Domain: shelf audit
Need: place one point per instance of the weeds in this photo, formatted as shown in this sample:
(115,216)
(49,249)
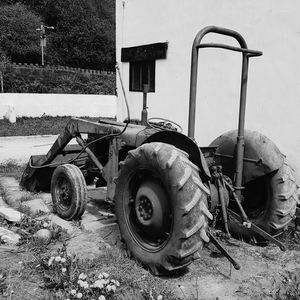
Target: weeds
(111,276)
(29,226)
(3,283)
(12,169)
(65,274)
(290,289)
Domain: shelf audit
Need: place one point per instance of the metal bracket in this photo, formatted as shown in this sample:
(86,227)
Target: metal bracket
(111,169)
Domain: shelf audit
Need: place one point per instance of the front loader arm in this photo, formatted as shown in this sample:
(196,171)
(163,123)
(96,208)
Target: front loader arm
(73,128)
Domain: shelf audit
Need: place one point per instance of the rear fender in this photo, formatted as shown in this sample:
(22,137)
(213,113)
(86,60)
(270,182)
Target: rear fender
(261,155)
(184,143)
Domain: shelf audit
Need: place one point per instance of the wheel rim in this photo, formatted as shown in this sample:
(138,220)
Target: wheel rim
(147,211)
(63,191)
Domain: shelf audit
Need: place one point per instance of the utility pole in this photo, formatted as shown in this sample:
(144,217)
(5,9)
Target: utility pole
(42,31)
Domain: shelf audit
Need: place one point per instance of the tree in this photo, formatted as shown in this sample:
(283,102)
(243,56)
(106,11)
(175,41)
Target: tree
(84,37)
(18,36)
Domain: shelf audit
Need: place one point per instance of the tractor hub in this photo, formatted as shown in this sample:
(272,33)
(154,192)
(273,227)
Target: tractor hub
(145,209)
(151,206)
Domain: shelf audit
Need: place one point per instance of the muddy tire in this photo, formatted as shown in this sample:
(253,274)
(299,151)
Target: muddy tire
(69,193)
(270,202)
(161,207)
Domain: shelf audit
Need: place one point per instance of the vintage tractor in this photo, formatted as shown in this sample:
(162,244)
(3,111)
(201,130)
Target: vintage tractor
(165,189)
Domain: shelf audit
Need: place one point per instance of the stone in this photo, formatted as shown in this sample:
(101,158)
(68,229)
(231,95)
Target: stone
(43,235)
(12,191)
(10,214)
(37,205)
(8,236)
(60,222)
(2,203)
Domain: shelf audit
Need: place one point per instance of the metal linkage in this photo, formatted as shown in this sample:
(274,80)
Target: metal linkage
(92,156)
(219,182)
(223,251)
(249,225)
(244,220)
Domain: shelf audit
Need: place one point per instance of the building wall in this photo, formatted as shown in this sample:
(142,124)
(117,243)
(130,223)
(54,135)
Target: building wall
(35,105)
(272,26)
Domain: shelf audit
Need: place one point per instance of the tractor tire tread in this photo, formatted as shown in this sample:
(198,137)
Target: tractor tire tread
(191,216)
(284,197)
(76,178)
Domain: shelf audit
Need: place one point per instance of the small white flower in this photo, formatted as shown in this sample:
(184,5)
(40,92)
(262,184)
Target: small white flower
(113,288)
(20,262)
(50,261)
(79,282)
(82,276)
(85,285)
(98,284)
(79,295)
(64,270)
(101,297)
(63,260)
(73,292)
(45,224)
(159,297)
(58,258)
(105,275)
(108,288)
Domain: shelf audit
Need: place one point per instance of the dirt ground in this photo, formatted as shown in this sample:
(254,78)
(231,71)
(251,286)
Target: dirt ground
(266,272)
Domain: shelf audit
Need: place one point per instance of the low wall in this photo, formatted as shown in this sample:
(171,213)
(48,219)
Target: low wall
(35,105)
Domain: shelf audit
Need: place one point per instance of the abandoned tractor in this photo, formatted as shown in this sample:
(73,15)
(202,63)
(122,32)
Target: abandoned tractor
(166,190)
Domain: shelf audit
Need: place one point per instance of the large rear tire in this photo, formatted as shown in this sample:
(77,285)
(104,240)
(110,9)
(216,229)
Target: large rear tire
(69,193)
(270,202)
(161,207)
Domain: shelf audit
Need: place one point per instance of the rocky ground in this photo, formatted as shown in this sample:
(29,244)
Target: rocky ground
(266,272)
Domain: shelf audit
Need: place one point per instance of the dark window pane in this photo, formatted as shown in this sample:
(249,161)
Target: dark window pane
(142,72)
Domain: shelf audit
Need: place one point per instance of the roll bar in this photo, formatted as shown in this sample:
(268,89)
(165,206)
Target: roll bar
(246,53)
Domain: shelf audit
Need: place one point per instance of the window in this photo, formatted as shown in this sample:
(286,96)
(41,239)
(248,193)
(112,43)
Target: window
(142,60)
(142,72)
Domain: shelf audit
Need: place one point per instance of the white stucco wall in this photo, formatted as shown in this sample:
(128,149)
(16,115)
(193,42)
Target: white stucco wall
(272,26)
(35,105)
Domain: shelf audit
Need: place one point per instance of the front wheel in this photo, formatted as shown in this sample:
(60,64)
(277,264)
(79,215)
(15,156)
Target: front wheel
(161,206)
(69,193)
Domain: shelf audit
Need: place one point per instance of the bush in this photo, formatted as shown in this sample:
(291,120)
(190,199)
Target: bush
(47,80)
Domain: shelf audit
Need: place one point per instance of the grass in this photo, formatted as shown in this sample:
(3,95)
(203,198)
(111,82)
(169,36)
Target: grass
(69,277)
(37,126)
(12,169)
(62,275)
(135,282)
(290,289)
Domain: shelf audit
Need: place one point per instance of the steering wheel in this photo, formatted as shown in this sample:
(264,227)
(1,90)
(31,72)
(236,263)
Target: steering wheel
(163,124)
